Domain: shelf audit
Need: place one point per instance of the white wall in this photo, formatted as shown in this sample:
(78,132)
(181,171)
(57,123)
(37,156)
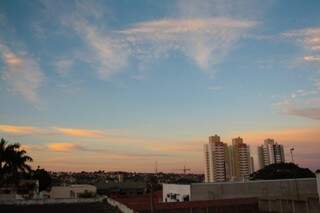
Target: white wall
(297,189)
(175,192)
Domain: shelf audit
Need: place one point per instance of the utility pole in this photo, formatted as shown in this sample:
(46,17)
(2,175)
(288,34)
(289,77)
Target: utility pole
(291,152)
(156,167)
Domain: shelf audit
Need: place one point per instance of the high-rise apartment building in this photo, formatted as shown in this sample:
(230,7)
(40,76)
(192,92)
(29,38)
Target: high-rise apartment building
(270,152)
(216,160)
(240,159)
(223,163)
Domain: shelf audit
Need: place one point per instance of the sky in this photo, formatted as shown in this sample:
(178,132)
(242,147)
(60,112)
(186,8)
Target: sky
(121,85)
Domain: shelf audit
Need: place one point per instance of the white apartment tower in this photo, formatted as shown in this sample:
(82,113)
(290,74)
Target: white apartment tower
(270,152)
(216,160)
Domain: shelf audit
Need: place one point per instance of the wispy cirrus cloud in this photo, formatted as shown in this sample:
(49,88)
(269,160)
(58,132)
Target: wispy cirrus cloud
(301,111)
(301,103)
(80,132)
(73,132)
(205,40)
(19,130)
(107,54)
(22,73)
(305,103)
(309,39)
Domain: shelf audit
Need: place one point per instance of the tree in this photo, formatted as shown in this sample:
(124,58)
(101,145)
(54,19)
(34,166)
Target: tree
(5,151)
(13,162)
(43,177)
(281,171)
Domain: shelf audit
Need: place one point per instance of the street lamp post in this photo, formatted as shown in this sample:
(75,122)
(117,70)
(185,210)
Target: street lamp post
(291,152)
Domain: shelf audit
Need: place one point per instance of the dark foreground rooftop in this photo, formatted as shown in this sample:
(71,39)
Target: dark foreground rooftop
(59,208)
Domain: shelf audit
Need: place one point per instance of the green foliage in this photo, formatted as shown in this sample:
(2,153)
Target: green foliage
(282,171)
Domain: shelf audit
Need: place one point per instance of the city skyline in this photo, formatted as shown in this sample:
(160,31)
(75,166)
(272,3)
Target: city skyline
(120,85)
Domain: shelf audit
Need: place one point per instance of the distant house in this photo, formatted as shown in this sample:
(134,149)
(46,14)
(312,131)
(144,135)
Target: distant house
(127,188)
(25,189)
(72,191)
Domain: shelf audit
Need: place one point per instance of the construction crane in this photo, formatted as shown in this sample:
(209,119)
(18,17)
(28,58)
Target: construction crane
(185,170)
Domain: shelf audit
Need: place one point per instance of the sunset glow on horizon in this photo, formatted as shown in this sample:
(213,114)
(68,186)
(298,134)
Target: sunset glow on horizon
(120,85)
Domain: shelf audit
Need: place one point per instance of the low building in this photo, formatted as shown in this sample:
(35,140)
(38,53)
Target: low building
(72,191)
(128,188)
(297,189)
(26,189)
(142,204)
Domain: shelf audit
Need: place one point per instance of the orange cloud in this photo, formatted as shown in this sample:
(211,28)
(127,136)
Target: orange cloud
(12,59)
(62,147)
(80,132)
(12,129)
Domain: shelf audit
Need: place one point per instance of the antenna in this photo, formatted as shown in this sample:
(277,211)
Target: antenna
(156,167)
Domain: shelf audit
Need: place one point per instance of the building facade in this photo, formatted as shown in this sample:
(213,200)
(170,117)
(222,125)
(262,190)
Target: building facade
(240,159)
(270,152)
(217,163)
(224,163)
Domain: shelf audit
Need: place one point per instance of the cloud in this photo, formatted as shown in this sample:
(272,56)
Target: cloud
(64,65)
(80,132)
(22,73)
(73,132)
(19,130)
(106,54)
(312,58)
(302,103)
(62,147)
(309,39)
(205,40)
(308,112)
(305,103)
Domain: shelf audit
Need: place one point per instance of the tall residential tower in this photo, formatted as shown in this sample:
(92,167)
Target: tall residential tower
(240,159)
(216,160)
(223,163)
(270,152)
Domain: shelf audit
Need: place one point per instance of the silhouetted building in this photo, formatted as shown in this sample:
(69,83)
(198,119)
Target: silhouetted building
(270,152)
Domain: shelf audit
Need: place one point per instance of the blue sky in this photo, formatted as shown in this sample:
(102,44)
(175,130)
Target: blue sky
(80,76)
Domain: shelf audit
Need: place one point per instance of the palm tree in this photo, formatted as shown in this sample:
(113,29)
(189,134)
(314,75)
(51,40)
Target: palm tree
(13,161)
(5,149)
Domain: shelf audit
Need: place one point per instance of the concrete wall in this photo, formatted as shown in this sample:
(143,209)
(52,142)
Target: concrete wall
(123,208)
(60,192)
(51,201)
(289,206)
(175,192)
(71,191)
(297,189)
(318,183)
